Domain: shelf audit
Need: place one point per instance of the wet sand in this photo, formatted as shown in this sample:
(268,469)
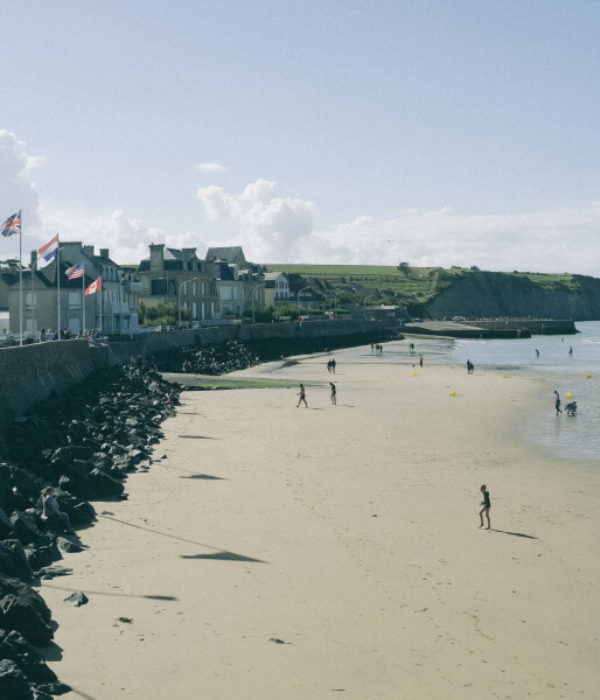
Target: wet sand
(334,551)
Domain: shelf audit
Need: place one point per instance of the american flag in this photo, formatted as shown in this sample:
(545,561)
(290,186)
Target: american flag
(74,272)
(12,225)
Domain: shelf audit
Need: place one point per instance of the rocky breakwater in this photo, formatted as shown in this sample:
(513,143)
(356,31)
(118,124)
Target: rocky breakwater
(82,444)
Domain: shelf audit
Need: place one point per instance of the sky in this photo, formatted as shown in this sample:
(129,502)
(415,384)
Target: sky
(434,132)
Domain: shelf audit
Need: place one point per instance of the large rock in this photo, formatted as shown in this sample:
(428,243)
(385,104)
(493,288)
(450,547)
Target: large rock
(13,682)
(18,613)
(98,484)
(13,560)
(24,525)
(15,647)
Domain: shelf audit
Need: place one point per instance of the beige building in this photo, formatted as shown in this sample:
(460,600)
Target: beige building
(277,288)
(172,276)
(52,303)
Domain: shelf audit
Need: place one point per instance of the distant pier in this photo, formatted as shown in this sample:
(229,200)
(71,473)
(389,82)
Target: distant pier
(493,328)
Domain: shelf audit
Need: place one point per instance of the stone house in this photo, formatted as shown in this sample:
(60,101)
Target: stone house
(179,277)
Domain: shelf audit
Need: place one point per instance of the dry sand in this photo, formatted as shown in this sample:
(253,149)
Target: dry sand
(281,552)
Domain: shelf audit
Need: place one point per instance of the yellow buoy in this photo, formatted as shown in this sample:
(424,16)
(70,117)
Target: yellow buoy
(568,396)
(588,375)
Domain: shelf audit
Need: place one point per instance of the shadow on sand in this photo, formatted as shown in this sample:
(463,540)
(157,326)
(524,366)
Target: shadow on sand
(196,437)
(222,556)
(514,534)
(111,593)
(209,477)
(219,553)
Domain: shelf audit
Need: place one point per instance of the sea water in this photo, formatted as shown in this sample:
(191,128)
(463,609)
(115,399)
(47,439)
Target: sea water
(569,364)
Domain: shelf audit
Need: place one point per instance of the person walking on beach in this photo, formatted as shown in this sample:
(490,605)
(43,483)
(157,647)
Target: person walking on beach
(486,507)
(333,393)
(302,395)
(557,402)
(420,360)
(470,367)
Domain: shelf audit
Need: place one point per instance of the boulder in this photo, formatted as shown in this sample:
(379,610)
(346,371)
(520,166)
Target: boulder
(24,525)
(99,484)
(18,613)
(15,647)
(13,682)
(13,560)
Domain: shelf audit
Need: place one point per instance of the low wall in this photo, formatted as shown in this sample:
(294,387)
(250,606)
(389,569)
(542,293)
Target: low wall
(32,373)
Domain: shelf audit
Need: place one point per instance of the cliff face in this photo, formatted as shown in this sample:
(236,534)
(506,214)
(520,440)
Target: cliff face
(495,294)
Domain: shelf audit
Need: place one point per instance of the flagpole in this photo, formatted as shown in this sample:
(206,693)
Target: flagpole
(21,280)
(58,290)
(33,308)
(83,301)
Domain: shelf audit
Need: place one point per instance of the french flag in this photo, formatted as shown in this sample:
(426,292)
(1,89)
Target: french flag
(49,250)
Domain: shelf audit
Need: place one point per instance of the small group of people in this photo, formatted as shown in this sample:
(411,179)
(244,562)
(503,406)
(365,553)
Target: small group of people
(331,366)
(570,408)
(377,349)
(67,334)
(302,395)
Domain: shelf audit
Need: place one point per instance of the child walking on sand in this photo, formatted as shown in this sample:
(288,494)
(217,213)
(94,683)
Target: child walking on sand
(302,395)
(486,506)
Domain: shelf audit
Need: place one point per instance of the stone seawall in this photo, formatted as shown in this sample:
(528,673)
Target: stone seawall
(32,373)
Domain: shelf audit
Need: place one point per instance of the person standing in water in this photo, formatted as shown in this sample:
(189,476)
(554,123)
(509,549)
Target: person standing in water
(486,507)
(302,395)
(557,402)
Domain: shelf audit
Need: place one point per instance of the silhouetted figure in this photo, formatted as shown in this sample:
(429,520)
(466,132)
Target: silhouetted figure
(333,393)
(486,507)
(302,395)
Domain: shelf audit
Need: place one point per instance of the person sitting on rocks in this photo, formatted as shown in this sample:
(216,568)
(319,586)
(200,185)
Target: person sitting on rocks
(51,510)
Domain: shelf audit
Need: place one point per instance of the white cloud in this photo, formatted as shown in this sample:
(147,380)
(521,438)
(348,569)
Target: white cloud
(126,237)
(268,227)
(274,229)
(17,191)
(211,168)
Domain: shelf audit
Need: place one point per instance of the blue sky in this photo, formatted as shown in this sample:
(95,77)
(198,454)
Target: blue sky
(436,132)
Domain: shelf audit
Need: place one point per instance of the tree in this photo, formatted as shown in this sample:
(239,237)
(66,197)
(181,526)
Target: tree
(404,267)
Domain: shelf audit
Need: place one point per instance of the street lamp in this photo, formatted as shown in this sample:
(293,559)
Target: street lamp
(365,305)
(298,295)
(256,286)
(193,279)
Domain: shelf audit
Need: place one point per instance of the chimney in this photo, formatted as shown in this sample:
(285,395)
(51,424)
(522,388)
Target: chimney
(157,256)
(33,258)
(104,253)
(88,250)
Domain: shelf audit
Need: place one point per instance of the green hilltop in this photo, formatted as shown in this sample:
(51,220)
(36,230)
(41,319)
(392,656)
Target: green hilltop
(405,284)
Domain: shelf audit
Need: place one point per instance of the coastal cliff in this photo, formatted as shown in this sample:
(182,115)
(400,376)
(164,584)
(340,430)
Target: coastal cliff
(498,294)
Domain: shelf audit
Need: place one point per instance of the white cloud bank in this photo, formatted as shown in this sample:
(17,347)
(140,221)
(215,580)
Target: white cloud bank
(273,229)
(17,190)
(279,230)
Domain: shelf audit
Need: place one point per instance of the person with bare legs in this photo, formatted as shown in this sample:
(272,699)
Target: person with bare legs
(486,507)
(302,395)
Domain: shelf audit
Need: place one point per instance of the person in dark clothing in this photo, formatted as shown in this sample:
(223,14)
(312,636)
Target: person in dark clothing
(333,393)
(302,395)
(557,402)
(486,507)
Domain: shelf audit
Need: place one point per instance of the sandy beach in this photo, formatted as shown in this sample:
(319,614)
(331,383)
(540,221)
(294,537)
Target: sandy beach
(334,551)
